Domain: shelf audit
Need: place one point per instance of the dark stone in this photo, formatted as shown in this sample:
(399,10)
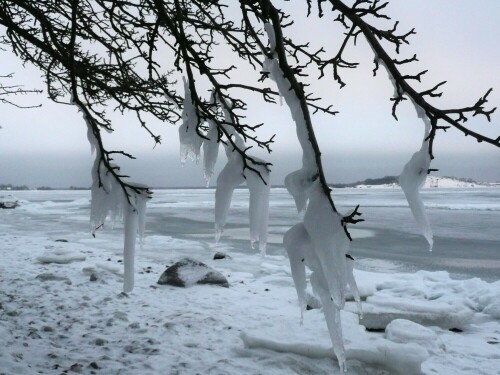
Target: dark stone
(456,330)
(312,303)
(220,255)
(93,277)
(61,240)
(376,330)
(187,272)
(94,365)
(9,205)
(76,367)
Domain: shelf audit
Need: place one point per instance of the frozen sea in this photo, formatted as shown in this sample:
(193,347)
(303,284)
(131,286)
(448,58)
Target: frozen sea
(466,224)
(62,310)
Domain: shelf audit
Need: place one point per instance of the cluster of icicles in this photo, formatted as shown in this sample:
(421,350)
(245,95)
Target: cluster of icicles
(318,241)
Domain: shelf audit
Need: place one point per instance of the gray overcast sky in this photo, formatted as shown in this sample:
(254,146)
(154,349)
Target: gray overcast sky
(457,40)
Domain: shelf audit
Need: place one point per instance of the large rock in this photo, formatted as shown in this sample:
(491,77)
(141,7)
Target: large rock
(8,202)
(188,272)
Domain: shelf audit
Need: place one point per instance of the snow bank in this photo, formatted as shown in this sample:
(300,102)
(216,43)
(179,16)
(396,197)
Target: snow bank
(403,358)
(61,258)
(406,331)
(430,299)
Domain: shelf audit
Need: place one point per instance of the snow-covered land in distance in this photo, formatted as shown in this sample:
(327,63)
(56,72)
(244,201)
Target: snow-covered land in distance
(431,182)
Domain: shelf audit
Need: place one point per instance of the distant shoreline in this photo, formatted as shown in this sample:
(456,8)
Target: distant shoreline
(382,182)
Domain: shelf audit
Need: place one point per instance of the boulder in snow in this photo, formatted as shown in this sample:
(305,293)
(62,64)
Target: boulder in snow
(220,255)
(187,272)
(8,202)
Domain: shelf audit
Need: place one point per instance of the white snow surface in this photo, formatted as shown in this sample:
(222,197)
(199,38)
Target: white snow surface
(65,321)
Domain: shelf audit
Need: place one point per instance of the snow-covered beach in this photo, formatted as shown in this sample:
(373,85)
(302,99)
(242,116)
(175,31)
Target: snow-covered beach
(54,320)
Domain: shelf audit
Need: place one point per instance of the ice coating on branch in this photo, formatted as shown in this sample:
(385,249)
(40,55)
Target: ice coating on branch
(297,183)
(106,196)
(271,36)
(106,193)
(259,205)
(190,141)
(272,67)
(330,274)
(233,175)
(229,178)
(108,199)
(210,151)
(326,256)
(134,222)
(353,286)
(330,243)
(413,177)
(297,244)
(302,252)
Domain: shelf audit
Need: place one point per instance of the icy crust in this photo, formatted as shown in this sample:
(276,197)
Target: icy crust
(413,177)
(190,141)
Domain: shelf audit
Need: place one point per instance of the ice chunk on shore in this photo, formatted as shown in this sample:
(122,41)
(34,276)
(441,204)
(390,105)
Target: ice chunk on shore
(406,331)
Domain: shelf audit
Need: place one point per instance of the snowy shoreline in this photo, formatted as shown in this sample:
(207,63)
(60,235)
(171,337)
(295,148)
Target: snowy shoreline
(54,319)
